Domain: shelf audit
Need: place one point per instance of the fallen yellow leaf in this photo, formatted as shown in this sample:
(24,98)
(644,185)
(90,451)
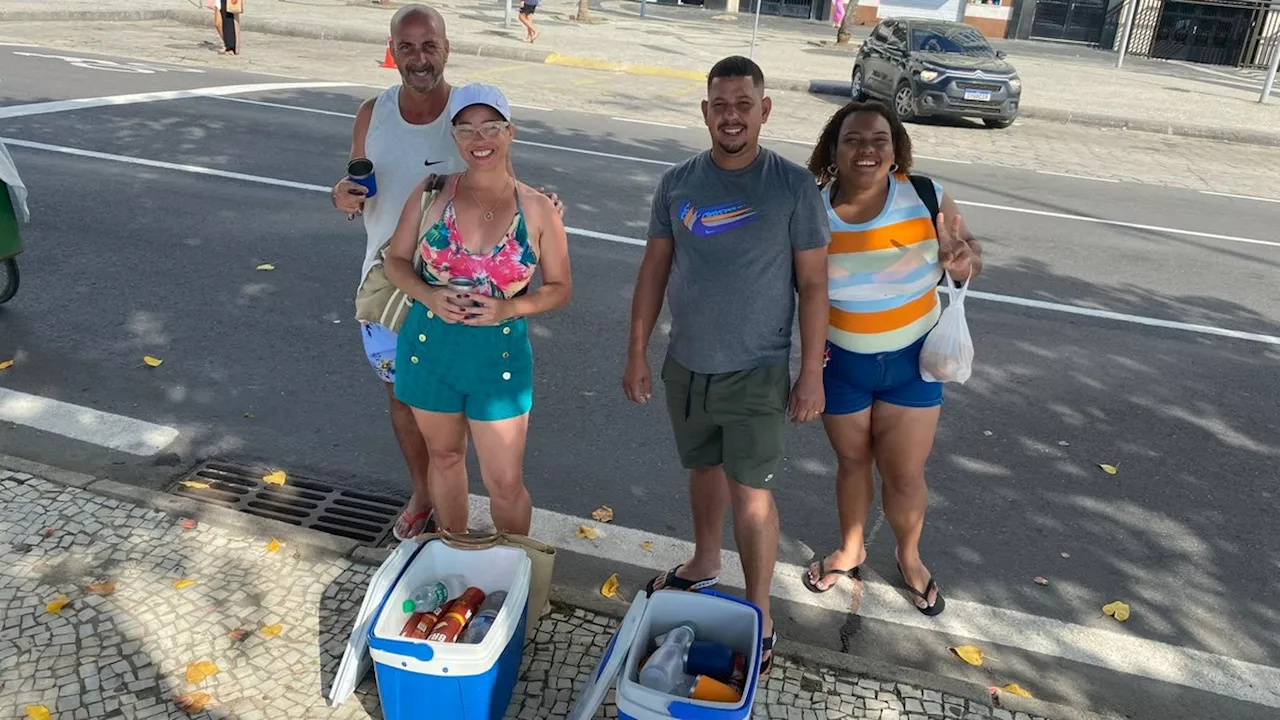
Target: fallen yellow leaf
(1108,469)
(604,513)
(276,478)
(105,587)
(1117,610)
(273,546)
(1016,689)
(193,702)
(271,631)
(198,671)
(183,584)
(5,366)
(55,605)
(37,712)
(266,266)
(971,654)
(610,587)
(195,484)
(647,546)
(152,361)
(586,532)
(238,635)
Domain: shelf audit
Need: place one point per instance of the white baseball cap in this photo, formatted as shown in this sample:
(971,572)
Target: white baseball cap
(478,94)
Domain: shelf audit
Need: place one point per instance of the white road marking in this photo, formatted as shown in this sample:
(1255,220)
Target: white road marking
(945,160)
(196,169)
(1112,650)
(1241,197)
(649,122)
(610,237)
(57,106)
(1120,223)
(139,68)
(1077,177)
(116,432)
(263,103)
(531,107)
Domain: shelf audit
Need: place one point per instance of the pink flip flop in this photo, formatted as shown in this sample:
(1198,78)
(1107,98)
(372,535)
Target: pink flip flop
(416,523)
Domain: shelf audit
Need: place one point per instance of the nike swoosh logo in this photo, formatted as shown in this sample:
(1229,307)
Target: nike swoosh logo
(429,163)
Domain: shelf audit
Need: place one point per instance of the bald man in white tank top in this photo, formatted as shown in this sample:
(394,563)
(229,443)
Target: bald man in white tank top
(406,133)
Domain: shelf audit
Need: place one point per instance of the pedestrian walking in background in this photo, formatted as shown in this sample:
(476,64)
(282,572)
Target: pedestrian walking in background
(464,360)
(734,233)
(527,9)
(838,8)
(229,13)
(892,236)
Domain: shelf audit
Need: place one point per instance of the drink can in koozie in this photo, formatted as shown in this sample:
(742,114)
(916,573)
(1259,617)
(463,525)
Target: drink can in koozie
(360,171)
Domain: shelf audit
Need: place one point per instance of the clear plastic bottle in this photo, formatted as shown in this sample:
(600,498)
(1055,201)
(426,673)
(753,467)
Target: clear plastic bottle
(664,670)
(480,625)
(434,594)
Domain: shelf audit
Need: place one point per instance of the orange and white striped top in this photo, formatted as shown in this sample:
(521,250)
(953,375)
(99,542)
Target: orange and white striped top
(882,275)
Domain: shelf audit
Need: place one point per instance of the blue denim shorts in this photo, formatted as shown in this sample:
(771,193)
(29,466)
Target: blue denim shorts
(854,381)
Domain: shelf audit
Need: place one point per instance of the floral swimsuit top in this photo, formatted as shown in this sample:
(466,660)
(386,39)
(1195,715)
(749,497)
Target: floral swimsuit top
(503,272)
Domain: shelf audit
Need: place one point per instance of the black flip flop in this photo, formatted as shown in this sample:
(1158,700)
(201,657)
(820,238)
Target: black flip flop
(938,605)
(670,581)
(853,573)
(767,647)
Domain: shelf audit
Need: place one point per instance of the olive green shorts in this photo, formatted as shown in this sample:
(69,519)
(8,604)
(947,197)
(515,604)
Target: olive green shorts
(734,419)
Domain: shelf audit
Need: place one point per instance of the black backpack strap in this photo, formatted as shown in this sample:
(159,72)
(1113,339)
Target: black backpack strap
(928,195)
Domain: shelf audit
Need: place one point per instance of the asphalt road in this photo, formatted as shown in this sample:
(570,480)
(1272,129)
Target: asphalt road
(125,260)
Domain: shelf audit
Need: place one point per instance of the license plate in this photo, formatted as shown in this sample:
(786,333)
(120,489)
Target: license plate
(978,95)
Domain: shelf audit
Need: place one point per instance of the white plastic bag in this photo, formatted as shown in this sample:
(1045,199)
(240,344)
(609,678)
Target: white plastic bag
(947,354)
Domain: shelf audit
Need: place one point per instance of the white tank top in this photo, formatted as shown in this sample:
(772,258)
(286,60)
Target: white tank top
(402,154)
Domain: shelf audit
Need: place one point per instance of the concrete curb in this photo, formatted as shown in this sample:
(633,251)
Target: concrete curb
(502,51)
(314,540)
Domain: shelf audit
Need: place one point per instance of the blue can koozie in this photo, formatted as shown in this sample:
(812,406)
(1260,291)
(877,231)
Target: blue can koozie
(711,659)
(360,171)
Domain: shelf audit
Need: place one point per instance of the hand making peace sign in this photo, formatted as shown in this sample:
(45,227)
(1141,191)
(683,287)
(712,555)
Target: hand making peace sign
(958,256)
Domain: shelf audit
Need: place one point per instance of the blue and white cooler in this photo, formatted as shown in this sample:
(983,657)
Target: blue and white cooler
(424,680)
(719,618)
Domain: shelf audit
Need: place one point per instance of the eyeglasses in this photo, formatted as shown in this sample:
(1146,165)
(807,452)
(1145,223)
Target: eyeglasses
(467,131)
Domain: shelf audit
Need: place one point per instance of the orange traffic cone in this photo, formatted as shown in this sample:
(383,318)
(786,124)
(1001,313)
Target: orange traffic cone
(387,60)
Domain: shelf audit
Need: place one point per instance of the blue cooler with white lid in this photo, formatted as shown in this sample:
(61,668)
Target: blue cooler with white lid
(720,618)
(425,680)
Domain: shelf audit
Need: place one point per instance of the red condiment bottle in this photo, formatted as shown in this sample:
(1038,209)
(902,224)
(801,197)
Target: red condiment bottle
(456,616)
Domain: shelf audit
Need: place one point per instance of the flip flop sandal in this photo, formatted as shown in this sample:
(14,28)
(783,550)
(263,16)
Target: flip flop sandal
(939,603)
(424,519)
(766,663)
(670,581)
(853,573)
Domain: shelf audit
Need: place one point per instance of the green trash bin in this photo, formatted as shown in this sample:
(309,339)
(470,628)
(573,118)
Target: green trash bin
(10,246)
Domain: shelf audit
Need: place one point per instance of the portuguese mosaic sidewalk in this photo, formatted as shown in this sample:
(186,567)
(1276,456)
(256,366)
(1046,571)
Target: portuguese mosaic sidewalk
(115,610)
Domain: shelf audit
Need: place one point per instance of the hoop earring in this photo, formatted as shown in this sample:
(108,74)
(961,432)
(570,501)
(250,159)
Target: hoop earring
(832,170)
(893,168)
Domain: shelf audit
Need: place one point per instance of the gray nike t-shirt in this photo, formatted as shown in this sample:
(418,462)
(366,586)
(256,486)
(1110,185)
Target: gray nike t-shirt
(732,289)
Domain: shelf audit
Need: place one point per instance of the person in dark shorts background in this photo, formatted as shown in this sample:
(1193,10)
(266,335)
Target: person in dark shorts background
(527,9)
(735,232)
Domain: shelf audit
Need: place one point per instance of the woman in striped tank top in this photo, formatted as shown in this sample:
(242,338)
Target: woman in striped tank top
(884,264)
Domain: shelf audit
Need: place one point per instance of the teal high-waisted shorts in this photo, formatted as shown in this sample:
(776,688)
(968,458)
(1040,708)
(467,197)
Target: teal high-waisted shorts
(484,373)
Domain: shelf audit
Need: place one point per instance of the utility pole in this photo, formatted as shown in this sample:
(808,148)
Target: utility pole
(751,54)
(1271,71)
(1130,8)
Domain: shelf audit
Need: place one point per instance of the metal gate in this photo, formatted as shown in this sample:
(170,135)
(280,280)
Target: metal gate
(1214,32)
(1071,20)
(803,9)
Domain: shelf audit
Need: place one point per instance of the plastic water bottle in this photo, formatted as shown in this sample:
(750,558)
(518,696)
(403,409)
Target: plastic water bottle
(480,625)
(434,594)
(664,671)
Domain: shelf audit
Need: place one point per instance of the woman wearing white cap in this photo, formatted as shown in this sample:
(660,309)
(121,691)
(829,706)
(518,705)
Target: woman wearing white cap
(463,358)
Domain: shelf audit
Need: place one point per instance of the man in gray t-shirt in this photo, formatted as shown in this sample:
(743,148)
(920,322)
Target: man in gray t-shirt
(735,232)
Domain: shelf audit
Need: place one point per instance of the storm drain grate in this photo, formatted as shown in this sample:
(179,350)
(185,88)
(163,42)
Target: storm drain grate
(301,501)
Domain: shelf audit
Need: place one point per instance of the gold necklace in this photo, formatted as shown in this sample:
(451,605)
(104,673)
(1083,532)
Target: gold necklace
(488,214)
